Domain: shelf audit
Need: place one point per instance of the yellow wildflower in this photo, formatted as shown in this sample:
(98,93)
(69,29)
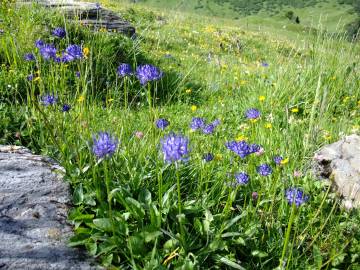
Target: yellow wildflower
(81,98)
(295,110)
(241,138)
(268,125)
(261,98)
(188,91)
(346,99)
(37,79)
(218,157)
(284,161)
(193,108)
(86,52)
(242,82)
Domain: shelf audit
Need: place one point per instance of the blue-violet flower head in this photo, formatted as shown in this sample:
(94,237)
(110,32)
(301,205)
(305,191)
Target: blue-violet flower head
(296,195)
(174,147)
(104,145)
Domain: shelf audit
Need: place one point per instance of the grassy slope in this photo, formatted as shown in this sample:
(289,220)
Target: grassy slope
(330,13)
(297,118)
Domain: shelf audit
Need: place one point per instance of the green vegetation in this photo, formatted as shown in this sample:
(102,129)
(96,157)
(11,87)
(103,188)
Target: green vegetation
(135,211)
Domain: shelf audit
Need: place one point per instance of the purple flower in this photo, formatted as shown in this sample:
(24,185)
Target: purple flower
(59,32)
(264,64)
(30,77)
(97,5)
(209,129)
(124,70)
(240,148)
(197,123)
(48,51)
(162,123)
(278,159)
(147,73)
(104,145)
(242,178)
(39,43)
(29,57)
(77,74)
(254,148)
(264,170)
(296,196)
(49,99)
(73,52)
(66,108)
(216,122)
(252,114)
(208,157)
(57,59)
(174,147)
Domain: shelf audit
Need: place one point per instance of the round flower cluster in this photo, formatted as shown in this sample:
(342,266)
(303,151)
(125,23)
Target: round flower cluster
(162,123)
(146,73)
(208,157)
(104,145)
(278,159)
(296,196)
(252,114)
(264,169)
(29,57)
(242,148)
(49,52)
(59,32)
(124,70)
(197,123)
(200,123)
(242,178)
(175,147)
(49,99)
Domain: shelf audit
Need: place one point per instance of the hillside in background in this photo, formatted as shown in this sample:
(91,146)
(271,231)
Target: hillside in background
(331,15)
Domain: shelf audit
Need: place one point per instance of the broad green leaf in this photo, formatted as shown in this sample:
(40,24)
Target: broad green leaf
(230,234)
(155,216)
(259,254)
(103,224)
(231,222)
(78,196)
(135,208)
(230,263)
(151,236)
(145,197)
(91,247)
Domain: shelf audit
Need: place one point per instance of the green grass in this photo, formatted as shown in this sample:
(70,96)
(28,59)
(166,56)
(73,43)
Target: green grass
(135,211)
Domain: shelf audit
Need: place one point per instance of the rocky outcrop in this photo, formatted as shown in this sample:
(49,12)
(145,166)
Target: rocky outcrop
(89,14)
(34,202)
(340,162)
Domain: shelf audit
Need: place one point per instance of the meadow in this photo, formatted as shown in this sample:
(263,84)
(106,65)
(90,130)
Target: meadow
(190,145)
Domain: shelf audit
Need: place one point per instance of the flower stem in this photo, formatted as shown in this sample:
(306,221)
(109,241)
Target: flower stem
(107,183)
(287,235)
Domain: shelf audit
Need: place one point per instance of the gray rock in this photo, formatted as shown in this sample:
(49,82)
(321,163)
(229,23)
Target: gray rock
(89,14)
(340,162)
(34,201)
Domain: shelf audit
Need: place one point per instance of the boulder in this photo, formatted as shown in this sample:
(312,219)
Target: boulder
(89,14)
(340,162)
(34,202)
